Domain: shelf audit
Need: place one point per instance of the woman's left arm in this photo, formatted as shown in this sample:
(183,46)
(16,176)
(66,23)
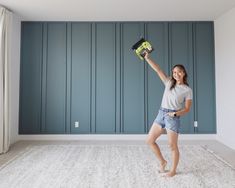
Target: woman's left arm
(185,110)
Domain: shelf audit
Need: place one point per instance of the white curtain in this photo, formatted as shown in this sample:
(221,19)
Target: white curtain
(5,19)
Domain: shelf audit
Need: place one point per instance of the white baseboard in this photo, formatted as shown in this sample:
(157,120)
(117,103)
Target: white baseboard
(112,137)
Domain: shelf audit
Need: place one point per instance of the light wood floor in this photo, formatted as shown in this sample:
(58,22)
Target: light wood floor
(221,150)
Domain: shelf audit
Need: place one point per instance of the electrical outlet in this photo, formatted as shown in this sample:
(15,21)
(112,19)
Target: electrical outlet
(195,124)
(76,124)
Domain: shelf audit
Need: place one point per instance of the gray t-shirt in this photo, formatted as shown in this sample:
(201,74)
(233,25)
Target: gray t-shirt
(174,99)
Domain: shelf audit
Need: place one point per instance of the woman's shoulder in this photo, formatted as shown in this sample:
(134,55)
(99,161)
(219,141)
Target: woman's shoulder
(187,87)
(188,91)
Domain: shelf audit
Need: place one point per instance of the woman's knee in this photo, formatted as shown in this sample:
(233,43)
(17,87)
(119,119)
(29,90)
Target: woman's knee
(150,141)
(173,146)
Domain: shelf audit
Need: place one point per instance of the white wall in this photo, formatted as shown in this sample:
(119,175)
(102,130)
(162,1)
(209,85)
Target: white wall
(225,79)
(14,77)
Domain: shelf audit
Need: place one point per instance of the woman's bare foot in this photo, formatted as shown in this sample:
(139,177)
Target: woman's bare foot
(162,167)
(170,174)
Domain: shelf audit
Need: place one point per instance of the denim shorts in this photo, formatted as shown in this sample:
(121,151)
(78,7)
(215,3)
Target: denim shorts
(166,121)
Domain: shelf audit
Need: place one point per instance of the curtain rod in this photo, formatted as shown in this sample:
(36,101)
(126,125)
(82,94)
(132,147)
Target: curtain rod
(5,8)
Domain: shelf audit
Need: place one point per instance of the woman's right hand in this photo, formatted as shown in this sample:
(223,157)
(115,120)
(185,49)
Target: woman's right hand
(146,55)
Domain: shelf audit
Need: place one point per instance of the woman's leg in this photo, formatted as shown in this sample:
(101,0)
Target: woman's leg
(173,143)
(155,131)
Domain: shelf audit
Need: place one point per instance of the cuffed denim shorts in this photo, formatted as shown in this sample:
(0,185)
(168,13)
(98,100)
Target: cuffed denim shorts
(166,121)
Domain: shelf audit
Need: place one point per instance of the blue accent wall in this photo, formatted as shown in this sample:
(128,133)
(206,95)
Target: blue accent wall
(85,73)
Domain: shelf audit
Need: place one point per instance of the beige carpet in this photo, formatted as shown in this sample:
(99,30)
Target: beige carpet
(111,166)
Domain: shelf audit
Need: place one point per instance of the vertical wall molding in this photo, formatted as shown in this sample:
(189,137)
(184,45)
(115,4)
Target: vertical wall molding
(169,48)
(190,70)
(68,77)
(166,46)
(146,120)
(93,78)
(44,77)
(118,78)
(121,80)
(194,73)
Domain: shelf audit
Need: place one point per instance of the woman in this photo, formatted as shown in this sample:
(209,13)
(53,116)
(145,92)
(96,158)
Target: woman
(176,101)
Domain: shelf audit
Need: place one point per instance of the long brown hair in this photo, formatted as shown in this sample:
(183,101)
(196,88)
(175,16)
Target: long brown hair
(173,81)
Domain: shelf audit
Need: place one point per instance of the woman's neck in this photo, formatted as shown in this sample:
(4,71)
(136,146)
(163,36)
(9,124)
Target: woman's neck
(179,82)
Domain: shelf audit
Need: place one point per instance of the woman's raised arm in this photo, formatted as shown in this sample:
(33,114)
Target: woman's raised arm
(156,67)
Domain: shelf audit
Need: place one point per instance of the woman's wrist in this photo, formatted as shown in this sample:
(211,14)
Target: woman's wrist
(146,58)
(172,114)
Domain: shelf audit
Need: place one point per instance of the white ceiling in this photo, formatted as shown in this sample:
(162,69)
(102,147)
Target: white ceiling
(118,10)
